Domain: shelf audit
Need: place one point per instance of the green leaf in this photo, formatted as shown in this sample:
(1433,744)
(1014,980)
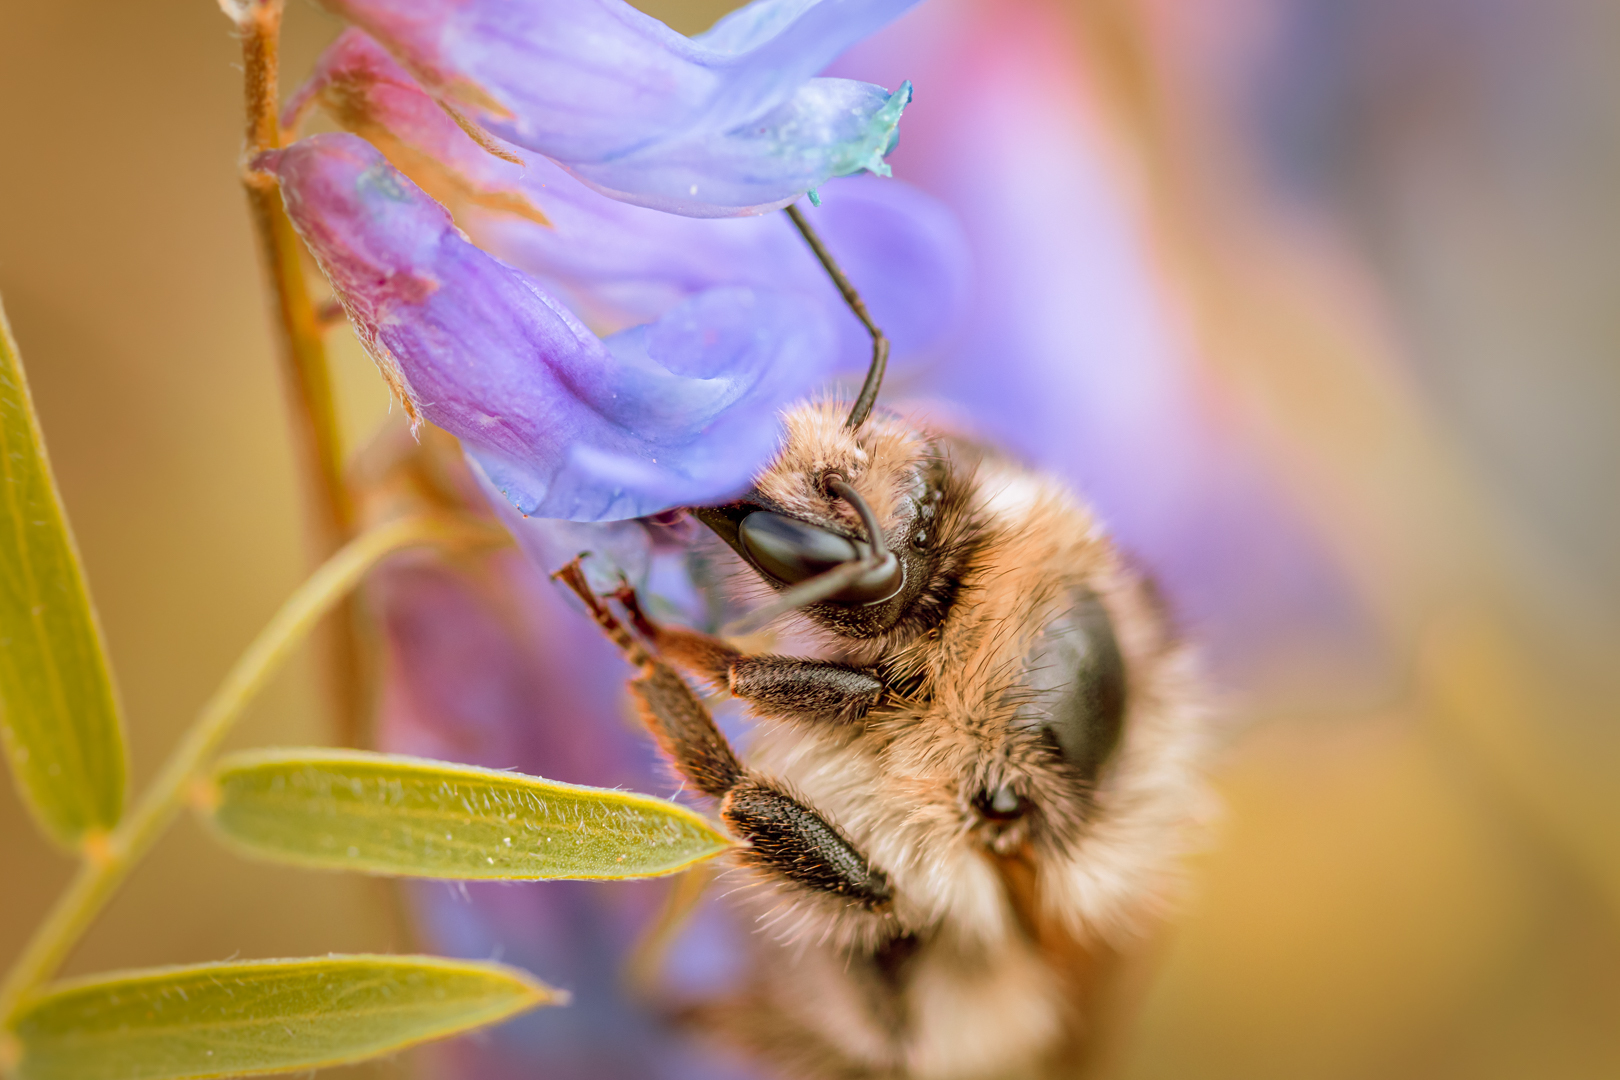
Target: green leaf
(261,1016)
(59,717)
(384,814)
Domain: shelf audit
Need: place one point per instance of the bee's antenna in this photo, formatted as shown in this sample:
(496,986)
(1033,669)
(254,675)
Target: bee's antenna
(880,343)
(874,534)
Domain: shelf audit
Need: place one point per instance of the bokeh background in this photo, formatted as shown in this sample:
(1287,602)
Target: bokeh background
(1391,230)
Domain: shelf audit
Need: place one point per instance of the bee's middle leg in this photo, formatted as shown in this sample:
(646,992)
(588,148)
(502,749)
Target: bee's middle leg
(784,835)
(780,686)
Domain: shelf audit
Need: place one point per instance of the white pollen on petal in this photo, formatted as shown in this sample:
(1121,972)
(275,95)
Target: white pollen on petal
(693,191)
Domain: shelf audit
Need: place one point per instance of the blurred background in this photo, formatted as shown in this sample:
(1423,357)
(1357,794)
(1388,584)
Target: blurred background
(1389,232)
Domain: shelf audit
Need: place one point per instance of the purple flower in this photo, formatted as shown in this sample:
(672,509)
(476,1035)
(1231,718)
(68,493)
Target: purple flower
(714,325)
(567,425)
(619,265)
(730,122)
(679,410)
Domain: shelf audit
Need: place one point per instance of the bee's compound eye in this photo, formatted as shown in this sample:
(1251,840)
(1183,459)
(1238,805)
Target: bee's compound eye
(790,550)
(1087,716)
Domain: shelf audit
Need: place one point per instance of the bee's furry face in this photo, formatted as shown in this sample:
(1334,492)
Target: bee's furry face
(1014,654)
(918,496)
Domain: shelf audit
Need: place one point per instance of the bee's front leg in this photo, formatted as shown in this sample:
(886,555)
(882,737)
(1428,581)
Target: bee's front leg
(780,686)
(785,837)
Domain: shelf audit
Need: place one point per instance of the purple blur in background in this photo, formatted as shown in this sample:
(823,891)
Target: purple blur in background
(1074,352)
(1469,154)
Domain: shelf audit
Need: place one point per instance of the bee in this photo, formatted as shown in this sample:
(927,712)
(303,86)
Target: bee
(969,792)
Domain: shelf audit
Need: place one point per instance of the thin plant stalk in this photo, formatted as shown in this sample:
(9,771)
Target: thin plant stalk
(302,348)
(107,865)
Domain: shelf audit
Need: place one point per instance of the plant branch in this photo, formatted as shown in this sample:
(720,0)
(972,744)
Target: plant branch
(302,348)
(105,869)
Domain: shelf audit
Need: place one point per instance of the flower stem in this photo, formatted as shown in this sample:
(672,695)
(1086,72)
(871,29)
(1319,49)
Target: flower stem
(105,867)
(302,349)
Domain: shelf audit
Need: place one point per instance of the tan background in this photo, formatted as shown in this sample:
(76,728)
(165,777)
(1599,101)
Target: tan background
(1438,929)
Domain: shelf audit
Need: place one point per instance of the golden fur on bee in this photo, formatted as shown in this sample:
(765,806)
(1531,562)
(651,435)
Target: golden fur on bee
(1000,935)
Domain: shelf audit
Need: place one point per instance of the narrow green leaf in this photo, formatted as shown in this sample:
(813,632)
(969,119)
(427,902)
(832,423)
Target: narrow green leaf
(260,1016)
(383,814)
(59,717)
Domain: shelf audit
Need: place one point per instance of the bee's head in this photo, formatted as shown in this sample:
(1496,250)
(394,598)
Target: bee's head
(847,523)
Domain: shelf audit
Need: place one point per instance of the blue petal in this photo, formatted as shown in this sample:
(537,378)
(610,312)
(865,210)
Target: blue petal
(621,265)
(829,128)
(730,122)
(678,412)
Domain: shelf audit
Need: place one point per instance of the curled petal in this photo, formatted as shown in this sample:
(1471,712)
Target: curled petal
(729,122)
(671,413)
(830,128)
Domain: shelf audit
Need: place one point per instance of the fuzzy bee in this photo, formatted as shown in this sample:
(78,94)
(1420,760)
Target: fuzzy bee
(971,789)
